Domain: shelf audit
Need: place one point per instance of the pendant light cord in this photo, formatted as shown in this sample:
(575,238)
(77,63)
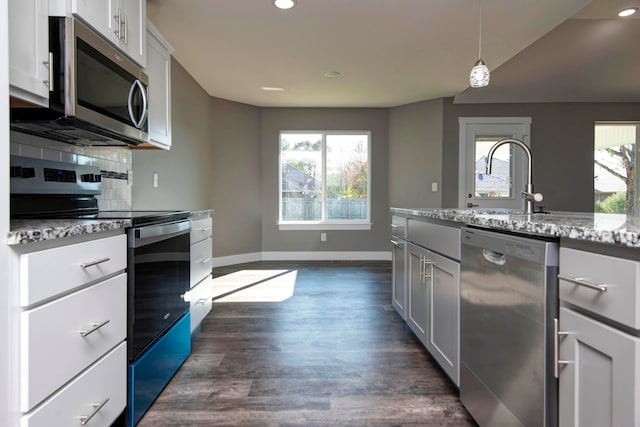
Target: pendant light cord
(480,32)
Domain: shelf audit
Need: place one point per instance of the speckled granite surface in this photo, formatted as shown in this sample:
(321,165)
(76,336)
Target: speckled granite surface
(200,213)
(612,229)
(28,231)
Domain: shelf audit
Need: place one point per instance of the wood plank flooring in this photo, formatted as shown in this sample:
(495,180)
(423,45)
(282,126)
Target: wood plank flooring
(335,353)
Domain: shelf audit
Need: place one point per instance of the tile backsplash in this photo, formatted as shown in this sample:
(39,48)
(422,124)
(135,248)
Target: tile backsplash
(114,164)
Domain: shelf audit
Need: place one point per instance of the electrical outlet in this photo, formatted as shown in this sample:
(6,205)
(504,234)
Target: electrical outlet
(323,237)
(155,180)
(434,186)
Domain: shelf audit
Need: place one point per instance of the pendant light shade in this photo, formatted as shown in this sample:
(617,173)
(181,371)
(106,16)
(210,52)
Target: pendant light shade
(480,75)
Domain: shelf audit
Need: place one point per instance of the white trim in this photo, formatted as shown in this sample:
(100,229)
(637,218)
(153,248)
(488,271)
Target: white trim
(302,256)
(324,133)
(463,122)
(324,226)
(236,259)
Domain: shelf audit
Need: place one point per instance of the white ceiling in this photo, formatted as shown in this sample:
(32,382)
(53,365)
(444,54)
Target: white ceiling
(394,52)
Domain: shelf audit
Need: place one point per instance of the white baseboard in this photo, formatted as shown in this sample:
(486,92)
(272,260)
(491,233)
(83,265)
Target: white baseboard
(302,256)
(236,259)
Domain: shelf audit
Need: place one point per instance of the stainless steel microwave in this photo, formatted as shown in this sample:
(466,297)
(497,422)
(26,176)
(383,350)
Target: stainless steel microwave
(98,96)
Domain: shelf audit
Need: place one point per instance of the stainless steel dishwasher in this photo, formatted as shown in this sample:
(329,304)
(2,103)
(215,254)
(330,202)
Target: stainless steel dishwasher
(508,303)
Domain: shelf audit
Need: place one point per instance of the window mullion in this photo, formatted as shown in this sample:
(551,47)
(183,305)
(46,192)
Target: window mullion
(324,178)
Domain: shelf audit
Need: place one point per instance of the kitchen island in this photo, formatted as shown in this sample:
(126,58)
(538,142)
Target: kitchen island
(610,229)
(593,327)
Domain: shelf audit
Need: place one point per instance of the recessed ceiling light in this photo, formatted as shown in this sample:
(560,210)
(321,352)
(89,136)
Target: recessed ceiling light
(272,88)
(284,4)
(628,11)
(332,75)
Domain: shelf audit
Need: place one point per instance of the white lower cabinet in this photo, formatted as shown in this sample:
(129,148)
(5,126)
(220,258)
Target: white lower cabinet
(433,292)
(69,327)
(81,327)
(434,307)
(417,314)
(443,337)
(599,374)
(201,302)
(398,281)
(99,393)
(201,292)
(599,368)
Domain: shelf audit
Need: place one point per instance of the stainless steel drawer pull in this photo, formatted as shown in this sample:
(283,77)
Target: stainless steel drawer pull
(204,261)
(94,262)
(556,349)
(205,229)
(397,244)
(95,327)
(424,264)
(201,301)
(581,282)
(97,407)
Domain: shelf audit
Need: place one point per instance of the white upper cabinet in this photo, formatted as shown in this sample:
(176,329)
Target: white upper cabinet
(29,50)
(159,71)
(122,22)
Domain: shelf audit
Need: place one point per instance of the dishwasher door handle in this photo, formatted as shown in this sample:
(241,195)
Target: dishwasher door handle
(494,257)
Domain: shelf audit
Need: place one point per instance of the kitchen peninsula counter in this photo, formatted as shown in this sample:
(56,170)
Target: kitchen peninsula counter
(37,230)
(609,229)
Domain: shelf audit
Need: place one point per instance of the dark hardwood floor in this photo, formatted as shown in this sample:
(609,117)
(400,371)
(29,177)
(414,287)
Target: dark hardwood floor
(333,354)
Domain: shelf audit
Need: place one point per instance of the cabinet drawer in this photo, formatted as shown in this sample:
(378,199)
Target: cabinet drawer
(621,300)
(399,226)
(107,379)
(439,238)
(201,229)
(201,303)
(46,273)
(201,262)
(53,349)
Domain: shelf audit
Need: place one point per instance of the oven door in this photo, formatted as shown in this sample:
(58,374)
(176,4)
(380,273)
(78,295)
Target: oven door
(158,278)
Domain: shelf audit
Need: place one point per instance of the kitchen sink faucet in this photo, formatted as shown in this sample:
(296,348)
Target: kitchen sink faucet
(528,193)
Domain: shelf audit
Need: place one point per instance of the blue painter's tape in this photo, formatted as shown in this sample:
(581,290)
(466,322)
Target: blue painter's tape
(151,372)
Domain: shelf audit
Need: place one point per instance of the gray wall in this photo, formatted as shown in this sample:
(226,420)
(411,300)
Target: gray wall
(375,120)
(235,168)
(225,156)
(561,143)
(184,172)
(415,154)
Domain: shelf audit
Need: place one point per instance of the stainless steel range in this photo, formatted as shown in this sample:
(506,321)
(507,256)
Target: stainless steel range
(158,267)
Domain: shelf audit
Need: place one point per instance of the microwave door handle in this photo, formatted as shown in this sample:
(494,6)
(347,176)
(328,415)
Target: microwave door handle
(137,122)
(145,104)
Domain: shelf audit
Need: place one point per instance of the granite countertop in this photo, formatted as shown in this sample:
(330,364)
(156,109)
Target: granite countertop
(202,212)
(37,230)
(612,229)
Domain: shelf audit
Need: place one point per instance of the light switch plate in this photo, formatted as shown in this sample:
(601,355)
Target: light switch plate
(434,186)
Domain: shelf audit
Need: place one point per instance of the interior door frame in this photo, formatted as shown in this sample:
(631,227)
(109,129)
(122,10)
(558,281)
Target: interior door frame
(521,124)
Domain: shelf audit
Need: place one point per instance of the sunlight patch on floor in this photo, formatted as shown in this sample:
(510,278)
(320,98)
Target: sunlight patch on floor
(255,286)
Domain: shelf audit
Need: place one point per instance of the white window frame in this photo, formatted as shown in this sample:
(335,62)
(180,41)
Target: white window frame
(325,224)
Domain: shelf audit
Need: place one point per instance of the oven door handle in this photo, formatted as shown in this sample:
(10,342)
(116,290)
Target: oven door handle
(162,230)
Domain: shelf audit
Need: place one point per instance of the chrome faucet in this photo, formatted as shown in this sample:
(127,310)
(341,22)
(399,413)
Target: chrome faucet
(528,193)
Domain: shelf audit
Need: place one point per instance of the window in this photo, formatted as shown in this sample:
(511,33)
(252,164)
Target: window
(324,180)
(614,167)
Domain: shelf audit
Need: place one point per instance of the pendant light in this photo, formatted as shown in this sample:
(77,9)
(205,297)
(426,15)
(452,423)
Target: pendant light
(479,76)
